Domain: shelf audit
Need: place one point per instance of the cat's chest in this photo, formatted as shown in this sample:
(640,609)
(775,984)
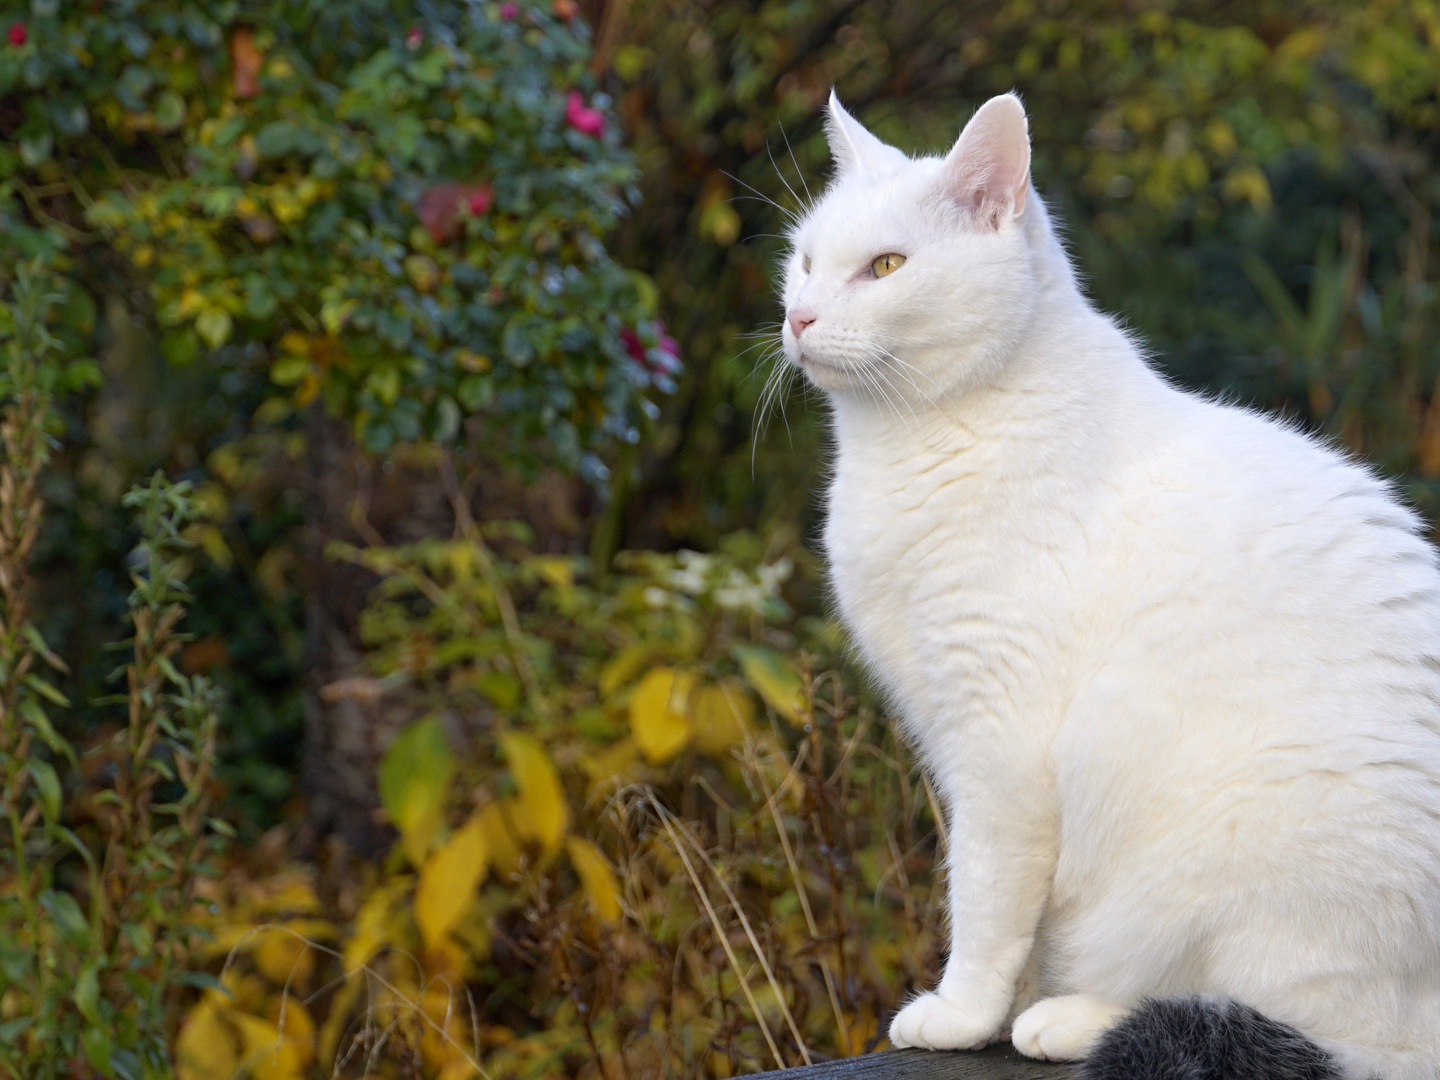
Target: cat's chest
(920,566)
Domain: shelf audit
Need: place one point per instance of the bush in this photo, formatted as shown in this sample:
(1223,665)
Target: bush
(401,214)
(633,838)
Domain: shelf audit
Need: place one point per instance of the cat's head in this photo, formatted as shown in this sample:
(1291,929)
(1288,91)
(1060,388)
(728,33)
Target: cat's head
(914,278)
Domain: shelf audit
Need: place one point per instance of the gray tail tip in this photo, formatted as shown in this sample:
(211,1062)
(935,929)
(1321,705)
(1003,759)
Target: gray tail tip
(1199,1038)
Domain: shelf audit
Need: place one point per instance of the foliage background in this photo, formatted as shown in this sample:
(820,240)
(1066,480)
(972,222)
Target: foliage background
(456,316)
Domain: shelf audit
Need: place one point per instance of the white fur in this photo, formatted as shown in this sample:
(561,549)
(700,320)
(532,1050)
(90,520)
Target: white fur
(1174,666)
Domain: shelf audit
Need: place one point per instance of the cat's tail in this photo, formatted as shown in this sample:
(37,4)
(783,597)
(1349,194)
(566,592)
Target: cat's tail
(1198,1038)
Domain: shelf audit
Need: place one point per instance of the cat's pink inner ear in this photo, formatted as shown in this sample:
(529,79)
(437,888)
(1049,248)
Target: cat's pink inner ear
(988,171)
(852,146)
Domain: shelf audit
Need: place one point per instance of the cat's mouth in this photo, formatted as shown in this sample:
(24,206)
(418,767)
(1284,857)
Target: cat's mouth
(814,366)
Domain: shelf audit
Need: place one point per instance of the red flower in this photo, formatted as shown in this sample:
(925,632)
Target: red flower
(17,34)
(581,117)
(633,345)
(664,359)
(415,38)
(440,207)
(508,11)
(481,198)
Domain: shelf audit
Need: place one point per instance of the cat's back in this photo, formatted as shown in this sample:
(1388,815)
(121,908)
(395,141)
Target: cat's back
(1228,510)
(1262,640)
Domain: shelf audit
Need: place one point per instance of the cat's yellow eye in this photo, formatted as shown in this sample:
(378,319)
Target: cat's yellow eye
(806,264)
(887,264)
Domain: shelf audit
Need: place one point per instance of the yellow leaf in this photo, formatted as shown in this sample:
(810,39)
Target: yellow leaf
(555,569)
(284,959)
(293,343)
(775,679)
(499,832)
(297,1025)
(457,1069)
(611,762)
(596,877)
(375,923)
(722,716)
(291,894)
(205,1048)
(657,713)
(448,881)
(1249,183)
(268,1054)
(541,812)
(623,667)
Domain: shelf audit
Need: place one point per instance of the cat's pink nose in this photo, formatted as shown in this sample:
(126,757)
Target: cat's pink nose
(800,318)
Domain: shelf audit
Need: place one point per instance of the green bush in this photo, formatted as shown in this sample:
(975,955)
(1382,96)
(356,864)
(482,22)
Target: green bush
(399,213)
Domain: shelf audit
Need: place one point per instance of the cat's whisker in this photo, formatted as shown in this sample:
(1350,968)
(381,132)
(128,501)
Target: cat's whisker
(901,368)
(771,394)
(878,374)
(791,215)
(809,198)
(777,387)
(871,376)
(907,366)
(780,174)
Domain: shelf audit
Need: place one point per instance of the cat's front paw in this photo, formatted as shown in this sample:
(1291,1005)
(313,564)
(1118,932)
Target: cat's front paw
(1065,1028)
(930,1022)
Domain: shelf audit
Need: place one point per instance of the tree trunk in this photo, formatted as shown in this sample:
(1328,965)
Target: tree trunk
(363,500)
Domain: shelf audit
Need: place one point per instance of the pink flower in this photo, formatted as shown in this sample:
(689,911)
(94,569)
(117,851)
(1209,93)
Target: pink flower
(581,117)
(415,38)
(509,10)
(18,35)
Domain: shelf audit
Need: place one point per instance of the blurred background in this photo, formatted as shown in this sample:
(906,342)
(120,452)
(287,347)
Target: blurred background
(473,642)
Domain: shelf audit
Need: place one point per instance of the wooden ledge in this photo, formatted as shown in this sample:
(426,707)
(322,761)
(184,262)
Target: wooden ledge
(994,1063)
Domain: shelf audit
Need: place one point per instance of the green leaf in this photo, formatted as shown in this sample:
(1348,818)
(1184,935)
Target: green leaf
(34,715)
(169,111)
(37,642)
(277,138)
(214,325)
(777,682)
(87,992)
(386,384)
(48,692)
(180,347)
(96,1041)
(48,784)
(289,370)
(66,915)
(414,784)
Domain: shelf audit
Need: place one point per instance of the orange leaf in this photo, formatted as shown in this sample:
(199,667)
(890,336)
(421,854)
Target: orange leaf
(245,61)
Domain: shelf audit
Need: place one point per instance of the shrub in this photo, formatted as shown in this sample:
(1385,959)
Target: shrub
(633,838)
(400,213)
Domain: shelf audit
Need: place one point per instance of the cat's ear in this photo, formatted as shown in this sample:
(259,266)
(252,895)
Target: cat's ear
(854,148)
(988,171)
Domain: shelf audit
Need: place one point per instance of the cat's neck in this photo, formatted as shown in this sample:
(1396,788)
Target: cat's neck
(1063,374)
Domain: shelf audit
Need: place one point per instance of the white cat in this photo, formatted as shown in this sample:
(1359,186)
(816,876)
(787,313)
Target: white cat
(1174,666)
